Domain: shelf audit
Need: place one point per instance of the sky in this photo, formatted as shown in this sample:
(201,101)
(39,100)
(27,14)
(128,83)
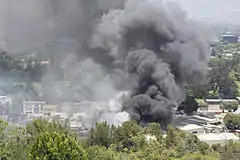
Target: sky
(216,11)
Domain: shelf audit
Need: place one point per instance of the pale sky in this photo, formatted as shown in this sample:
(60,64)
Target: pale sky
(213,10)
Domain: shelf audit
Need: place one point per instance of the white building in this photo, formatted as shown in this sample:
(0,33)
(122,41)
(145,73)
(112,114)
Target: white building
(5,103)
(75,125)
(60,115)
(33,107)
(192,128)
(5,100)
(217,138)
(49,110)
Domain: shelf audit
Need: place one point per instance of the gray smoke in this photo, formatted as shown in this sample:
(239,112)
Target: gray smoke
(162,50)
(147,47)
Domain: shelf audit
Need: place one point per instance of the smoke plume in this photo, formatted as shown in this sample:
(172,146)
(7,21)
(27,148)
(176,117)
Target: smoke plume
(162,51)
(102,48)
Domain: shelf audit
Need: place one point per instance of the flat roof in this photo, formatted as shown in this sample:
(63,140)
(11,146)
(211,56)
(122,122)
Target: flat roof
(204,118)
(229,35)
(190,127)
(217,136)
(219,100)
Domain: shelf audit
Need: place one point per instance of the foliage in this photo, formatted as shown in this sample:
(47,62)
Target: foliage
(29,66)
(203,104)
(199,156)
(99,152)
(231,151)
(50,140)
(38,126)
(12,144)
(230,106)
(56,146)
(189,106)
(232,121)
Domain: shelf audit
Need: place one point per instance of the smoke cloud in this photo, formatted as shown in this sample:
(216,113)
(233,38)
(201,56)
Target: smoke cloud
(100,49)
(162,51)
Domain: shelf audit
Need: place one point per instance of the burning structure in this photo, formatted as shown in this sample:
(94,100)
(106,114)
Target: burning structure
(148,48)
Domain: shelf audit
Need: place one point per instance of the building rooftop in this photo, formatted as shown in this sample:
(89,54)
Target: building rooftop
(76,124)
(34,102)
(217,136)
(190,127)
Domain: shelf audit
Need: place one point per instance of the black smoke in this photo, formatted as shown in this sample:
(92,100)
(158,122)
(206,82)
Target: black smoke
(148,47)
(162,51)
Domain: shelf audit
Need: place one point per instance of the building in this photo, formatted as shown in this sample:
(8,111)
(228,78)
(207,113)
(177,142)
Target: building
(217,138)
(218,101)
(5,103)
(75,126)
(60,116)
(214,105)
(229,37)
(33,107)
(192,128)
(49,110)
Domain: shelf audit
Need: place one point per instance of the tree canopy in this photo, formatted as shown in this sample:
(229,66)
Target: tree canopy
(48,140)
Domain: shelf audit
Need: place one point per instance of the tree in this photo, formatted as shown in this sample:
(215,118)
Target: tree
(56,146)
(124,135)
(155,129)
(222,77)
(101,153)
(39,125)
(232,121)
(100,135)
(199,156)
(189,105)
(231,151)
(230,106)
(13,144)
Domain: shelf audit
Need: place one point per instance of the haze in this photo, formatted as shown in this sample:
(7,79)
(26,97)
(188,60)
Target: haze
(215,11)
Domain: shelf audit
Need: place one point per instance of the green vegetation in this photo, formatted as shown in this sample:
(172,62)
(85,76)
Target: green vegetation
(230,106)
(56,146)
(51,140)
(189,105)
(232,121)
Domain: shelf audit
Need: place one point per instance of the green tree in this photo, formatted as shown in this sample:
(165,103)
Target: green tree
(56,146)
(155,129)
(39,125)
(101,153)
(124,135)
(101,135)
(231,151)
(189,105)
(199,156)
(230,106)
(13,143)
(232,121)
